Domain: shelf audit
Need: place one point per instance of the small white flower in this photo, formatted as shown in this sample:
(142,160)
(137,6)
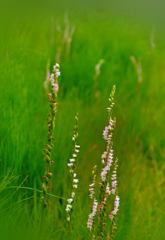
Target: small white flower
(73,194)
(72,160)
(116,207)
(91,185)
(75,180)
(70,164)
(92,215)
(68,208)
(58,73)
(57,65)
(70,200)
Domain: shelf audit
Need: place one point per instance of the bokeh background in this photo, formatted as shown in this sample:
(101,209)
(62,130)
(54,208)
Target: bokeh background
(127,39)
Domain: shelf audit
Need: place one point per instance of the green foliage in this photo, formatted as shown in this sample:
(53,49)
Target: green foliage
(26,48)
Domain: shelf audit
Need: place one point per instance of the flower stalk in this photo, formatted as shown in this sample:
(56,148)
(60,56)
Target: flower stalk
(107,186)
(48,149)
(72,170)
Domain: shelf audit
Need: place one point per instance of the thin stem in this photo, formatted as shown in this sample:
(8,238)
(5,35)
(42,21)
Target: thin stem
(37,190)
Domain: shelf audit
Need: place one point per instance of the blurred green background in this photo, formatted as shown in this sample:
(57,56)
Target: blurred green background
(130,39)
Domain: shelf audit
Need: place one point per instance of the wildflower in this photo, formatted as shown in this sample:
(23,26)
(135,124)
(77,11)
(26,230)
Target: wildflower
(58,73)
(56,66)
(68,207)
(56,87)
(56,70)
(114,178)
(107,167)
(114,183)
(106,188)
(108,129)
(73,194)
(75,180)
(92,185)
(52,97)
(91,190)
(92,215)
(70,200)
(116,208)
(71,165)
(72,160)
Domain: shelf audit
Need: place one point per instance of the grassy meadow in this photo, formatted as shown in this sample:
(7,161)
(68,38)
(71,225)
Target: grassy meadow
(133,56)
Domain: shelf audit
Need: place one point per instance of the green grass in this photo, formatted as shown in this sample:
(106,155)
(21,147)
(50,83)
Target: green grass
(26,48)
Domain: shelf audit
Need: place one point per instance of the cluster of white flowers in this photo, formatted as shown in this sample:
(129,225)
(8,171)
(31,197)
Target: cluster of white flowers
(53,78)
(111,100)
(92,215)
(116,208)
(71,166)
(106,132)
(107,156)
(107,167)
(91,190)
(114,178)
(69,204)
(92,185)
(72,160)
(74,187)
(106,189)
(56,69)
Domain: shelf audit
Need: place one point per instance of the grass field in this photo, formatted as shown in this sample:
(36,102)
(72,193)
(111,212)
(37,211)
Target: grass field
(134,61)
